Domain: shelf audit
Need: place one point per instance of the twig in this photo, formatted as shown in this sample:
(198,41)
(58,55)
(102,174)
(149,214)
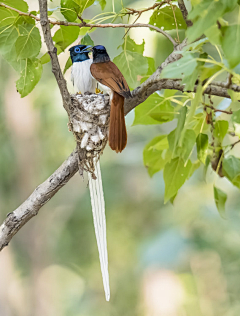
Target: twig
(83,24)
(184,11)
(81,19)
(237,142)
(156,5)
(218,110)
(52,50)
(178,40)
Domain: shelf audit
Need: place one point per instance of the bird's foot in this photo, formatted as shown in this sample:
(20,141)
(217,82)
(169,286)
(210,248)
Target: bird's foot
(97,91)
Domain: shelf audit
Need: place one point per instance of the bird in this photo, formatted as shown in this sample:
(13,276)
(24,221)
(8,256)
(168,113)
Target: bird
(80,76)
(113,81)
(84,82)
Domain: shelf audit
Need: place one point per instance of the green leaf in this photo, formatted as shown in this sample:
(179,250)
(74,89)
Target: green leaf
(190,81)
(86,40)
(231,170)
(65,36)
(154,154)
(230,4)
(30,74)
(102,3)
(235,96)
(175,174)
(161,144)
(154,105)
(236,122)
(46,58)
(184,151)
(220,198)
(178,131)
(17,4)
(165,113)
(164,18)
(83,4)
(8,37)
(220,129)
(7,16)
(202,147)
(208,71)
(131,46)
(231,44)
(151,69)
(181,68)
(204,15)
(169,93)
(69,10)
(84,30)
(29,42)
(236,117)
(67,65)
(194,167)
(132,65)
(190,120)
(214,35)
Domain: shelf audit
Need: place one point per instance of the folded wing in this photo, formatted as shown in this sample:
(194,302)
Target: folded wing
(108,74)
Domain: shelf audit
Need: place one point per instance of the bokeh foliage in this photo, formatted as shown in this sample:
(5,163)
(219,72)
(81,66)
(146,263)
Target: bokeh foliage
(186,134)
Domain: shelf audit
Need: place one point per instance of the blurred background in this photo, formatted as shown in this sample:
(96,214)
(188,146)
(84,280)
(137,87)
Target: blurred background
(164,260)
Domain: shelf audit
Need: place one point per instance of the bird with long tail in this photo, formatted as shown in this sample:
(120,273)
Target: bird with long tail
(84,82)
(85,72)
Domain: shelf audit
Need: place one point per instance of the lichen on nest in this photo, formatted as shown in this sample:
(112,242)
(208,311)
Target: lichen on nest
(89,122)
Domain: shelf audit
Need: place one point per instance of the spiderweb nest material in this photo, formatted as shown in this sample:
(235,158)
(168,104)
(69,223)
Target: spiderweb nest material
(89,122)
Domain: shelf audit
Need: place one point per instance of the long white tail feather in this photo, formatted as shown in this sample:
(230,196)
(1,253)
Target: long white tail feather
(98,210)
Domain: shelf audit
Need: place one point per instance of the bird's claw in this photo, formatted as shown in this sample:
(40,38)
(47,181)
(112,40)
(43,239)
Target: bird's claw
(97,91)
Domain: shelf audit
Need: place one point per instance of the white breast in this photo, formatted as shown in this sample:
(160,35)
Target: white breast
(81,77)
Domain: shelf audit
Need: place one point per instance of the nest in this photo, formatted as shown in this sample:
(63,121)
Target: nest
(89,122)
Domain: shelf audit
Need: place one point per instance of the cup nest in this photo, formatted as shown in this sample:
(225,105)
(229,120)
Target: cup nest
(89,122)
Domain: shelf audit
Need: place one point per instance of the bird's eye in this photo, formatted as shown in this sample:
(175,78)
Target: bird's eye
(77,50)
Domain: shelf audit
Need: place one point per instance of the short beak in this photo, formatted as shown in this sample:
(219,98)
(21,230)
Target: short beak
(87,49)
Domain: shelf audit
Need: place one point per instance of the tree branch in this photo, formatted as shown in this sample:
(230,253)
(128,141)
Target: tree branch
(184,11)
(45,24)
(41,195)
(53,55)
(157,5)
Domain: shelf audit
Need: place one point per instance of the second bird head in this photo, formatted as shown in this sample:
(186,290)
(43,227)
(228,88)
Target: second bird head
(79,53)
(100,54)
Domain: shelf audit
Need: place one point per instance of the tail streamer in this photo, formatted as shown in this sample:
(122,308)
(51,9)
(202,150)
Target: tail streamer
(99,220)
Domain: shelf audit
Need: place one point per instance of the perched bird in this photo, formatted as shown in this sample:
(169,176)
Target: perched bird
(81,76)
(108,75)
(84,82)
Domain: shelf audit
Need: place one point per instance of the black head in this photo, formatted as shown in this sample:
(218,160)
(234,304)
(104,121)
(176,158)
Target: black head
(100,54)
(79,53)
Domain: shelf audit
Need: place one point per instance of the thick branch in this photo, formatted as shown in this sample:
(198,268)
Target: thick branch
(53,55)
(41,195)
(45,24)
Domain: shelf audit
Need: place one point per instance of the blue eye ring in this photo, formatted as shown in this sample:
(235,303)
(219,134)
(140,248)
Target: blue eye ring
(77,50)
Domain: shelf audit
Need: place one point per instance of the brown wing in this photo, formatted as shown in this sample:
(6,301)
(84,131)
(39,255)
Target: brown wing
(108,74)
